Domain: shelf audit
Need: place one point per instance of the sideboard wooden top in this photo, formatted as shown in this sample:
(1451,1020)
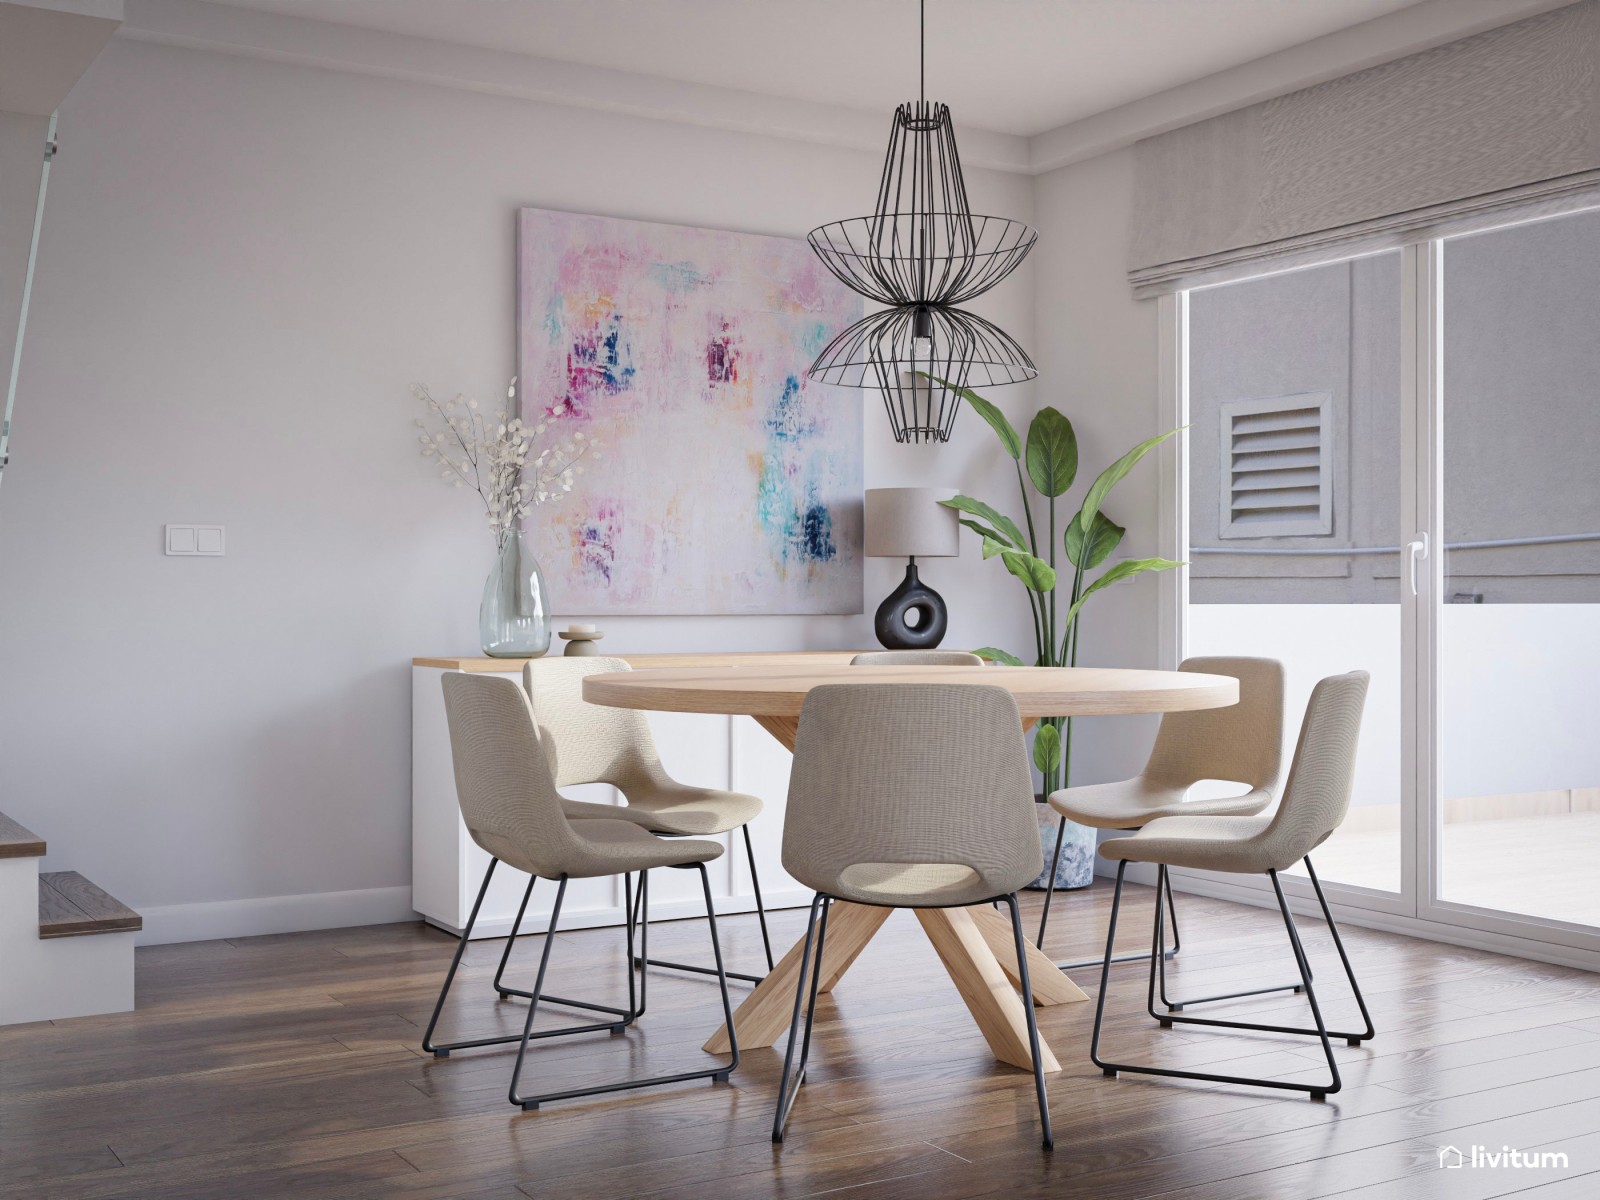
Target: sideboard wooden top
(749,658)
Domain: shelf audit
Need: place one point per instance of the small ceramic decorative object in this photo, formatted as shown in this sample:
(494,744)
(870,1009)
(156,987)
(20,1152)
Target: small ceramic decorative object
(581,640)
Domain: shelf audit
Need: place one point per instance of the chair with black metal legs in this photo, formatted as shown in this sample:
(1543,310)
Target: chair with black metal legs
(907,796)
(1241,744)
(511,808)
(1314,803)
(592,743)
(916,658)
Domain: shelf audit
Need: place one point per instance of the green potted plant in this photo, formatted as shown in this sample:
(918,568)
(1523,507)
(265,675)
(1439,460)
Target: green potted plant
(1048,460)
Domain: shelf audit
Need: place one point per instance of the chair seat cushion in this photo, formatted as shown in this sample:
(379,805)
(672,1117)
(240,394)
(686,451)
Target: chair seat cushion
(676,810)
(1236,844)
(1132,803)
(613,847)
(912,884)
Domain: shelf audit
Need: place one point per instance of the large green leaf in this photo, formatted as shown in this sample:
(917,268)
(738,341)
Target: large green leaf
(991,547)
(977,508)
(1047,749)
(992,654)
(985,532)
(1113,475)
(1088,553)
(1123,570)
(1035,572)
(1052,452)
(997,419)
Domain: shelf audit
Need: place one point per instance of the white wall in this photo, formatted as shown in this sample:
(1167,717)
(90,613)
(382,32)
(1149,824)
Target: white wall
(1096,351)
(244,265)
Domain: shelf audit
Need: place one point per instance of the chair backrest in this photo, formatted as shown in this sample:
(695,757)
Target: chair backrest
(588,743)
(911,773)
(1242,743)
(508,800)
(916,658)
(1317,795)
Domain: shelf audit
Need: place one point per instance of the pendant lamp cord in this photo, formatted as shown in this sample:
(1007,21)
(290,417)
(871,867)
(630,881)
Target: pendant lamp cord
(922,50)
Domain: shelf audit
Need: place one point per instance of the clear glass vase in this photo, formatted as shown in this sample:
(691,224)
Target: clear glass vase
(514,618)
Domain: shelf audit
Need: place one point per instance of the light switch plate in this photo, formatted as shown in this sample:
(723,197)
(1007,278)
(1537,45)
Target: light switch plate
(196,540)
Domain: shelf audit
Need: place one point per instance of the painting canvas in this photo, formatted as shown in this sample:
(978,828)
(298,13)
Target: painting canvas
(727,482)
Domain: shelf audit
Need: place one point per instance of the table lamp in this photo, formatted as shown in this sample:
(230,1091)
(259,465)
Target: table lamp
(911,523)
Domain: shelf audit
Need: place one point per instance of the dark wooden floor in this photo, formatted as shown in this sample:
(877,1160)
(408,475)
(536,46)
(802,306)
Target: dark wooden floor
(290,1066)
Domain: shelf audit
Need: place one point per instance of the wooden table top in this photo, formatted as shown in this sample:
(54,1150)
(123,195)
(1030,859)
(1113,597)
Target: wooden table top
(779,691)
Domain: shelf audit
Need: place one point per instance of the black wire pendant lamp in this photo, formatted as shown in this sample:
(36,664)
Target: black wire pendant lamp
(922,252)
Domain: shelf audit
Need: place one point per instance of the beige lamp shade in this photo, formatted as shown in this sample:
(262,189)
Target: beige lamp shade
(911,523)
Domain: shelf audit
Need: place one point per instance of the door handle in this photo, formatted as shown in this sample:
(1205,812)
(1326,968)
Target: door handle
(1415,551)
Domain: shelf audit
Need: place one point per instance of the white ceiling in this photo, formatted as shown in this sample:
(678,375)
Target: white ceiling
(1013,66)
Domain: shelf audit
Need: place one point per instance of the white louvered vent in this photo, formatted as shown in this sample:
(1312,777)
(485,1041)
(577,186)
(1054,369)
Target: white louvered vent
(1277,467)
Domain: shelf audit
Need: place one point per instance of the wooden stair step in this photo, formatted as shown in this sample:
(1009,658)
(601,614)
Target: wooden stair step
(70,906)
(17,842)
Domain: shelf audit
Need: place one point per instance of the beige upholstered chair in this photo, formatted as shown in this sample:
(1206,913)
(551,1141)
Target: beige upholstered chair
(1242,743)
(1314,803)
(511,808)
(916,658)
(594,743)
(907,796)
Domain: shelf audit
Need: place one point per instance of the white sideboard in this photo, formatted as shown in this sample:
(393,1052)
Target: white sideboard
(712,751)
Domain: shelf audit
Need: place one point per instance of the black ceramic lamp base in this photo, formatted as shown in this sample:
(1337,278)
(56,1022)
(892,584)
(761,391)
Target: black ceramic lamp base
(891,625)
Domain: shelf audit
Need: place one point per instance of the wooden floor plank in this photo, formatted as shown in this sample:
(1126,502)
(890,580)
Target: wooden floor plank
(290,1065)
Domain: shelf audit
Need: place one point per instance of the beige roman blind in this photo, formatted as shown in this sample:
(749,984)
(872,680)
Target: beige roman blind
(1451,135)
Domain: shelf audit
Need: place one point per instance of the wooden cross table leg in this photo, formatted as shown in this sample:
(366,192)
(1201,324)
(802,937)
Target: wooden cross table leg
(765,1013)
(988,994)
(1050,984)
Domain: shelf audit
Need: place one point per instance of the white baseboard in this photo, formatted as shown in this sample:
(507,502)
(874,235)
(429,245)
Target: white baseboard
(274,914)
(378,906)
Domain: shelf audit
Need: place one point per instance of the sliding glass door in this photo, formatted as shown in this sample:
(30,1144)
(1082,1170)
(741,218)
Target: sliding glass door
(1391,465)
(1294,478)
(1517,819)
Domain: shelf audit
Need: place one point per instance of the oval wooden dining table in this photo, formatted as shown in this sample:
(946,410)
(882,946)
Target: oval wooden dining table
(974,944)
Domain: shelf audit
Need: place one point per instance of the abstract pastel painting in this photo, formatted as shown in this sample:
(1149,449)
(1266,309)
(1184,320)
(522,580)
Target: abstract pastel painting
(727,482)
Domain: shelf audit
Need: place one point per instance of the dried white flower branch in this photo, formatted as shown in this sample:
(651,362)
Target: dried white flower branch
(498,461)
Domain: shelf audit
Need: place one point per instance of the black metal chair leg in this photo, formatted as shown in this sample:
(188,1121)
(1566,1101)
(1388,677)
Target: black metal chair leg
(1311,995)
(449,976)
(755,886)
(1050,888)
(1163,884)
(1350,974)
(628,1015)
(761,915)
(442,1050)
(785,1098)
(1353,1039)
(1172,911)
(717,1074)
(1157,965)
(722,979)
(1025,986)
(1105,975)
(533,1003)
(816,980)
(511,939)
(1173,1006)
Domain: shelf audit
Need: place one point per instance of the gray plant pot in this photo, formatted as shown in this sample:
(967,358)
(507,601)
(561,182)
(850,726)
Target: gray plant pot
(1076,869)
